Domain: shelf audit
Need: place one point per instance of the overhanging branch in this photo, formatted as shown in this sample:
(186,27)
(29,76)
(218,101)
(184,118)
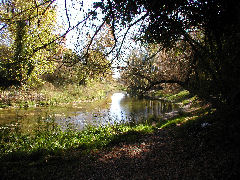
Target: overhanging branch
(153,83)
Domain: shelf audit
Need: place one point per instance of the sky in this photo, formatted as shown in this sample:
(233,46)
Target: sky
(77,38)
(75,14)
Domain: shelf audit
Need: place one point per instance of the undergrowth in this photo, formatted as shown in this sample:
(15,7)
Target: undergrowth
(49,95)
(193,135)
(48,139)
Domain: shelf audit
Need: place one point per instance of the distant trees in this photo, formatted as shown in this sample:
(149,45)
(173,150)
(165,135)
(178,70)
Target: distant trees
(31,48)
(71,68)
(165,66)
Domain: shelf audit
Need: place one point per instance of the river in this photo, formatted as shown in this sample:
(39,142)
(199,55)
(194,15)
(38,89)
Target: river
(117,108)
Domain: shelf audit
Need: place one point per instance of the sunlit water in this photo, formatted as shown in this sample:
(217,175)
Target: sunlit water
(116,109)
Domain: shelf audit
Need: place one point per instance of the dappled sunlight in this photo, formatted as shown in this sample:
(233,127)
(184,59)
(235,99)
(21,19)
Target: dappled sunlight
(119,89)
(129,151)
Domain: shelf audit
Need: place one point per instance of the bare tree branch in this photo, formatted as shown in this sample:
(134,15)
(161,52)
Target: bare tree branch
(64,34)
(4,26)
(113,28)
(69,24)
(92,38)
(125,35)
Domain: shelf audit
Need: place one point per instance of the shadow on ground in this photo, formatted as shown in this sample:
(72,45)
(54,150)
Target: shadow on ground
(189,151)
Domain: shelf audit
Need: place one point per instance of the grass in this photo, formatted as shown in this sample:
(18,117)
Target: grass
(178,97)
(178,146)
(48,139)
(48,95)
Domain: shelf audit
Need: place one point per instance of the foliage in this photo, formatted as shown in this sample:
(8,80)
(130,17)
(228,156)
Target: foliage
(30,26)
(210,27)
(165,66)
(49,95)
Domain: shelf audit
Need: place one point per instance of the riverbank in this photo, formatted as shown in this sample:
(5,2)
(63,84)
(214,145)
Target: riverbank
(49,95)
(196,144)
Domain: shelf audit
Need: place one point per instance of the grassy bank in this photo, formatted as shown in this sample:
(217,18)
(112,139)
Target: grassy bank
(49,95)
(182,97)
(48,139)
(196,144)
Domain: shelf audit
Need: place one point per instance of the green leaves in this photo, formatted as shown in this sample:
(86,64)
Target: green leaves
(30,27)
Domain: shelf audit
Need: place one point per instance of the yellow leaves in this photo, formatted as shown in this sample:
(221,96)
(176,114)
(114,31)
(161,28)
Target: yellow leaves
(97,63)
(31,26)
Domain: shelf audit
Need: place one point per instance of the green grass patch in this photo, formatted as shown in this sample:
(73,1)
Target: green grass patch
(182,95)
(177,121)
(48,139)
(182,98)
(178,97)
(48,95)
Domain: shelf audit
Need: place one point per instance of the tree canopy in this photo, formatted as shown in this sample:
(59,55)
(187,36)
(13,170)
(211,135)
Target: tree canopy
(29,26)
(210,27)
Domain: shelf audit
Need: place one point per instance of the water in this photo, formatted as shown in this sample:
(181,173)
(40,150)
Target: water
(117,108)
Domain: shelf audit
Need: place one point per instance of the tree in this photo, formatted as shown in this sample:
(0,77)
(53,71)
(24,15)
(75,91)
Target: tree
(72,69)
(215,65)
(166,66)
(30,27)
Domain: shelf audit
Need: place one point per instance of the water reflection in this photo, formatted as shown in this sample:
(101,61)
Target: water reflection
(118,108)
(122,109)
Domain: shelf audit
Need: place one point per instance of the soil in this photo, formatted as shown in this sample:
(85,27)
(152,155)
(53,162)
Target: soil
(173,153)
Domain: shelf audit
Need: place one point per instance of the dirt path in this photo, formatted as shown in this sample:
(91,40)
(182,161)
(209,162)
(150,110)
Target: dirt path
(162,155)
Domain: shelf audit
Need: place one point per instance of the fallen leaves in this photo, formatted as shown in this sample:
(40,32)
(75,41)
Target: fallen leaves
(130,151)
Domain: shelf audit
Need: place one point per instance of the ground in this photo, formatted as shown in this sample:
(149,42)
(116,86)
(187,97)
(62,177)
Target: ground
(165,154)
(199,143)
